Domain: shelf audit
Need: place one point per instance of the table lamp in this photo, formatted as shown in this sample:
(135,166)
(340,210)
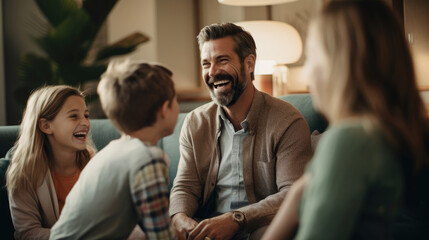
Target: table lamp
(253,2)
(277,44)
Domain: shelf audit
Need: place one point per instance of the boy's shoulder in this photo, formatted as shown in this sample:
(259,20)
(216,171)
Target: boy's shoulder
(128,151)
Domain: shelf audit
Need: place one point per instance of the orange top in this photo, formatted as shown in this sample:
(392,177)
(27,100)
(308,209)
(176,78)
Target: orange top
(63,185)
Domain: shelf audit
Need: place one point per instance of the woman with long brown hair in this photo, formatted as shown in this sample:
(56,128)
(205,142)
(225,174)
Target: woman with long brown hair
(361,77)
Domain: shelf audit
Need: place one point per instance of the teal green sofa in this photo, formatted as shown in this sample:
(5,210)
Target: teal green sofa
(102,132)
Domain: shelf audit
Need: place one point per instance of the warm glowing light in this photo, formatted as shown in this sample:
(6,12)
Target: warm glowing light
(253,2)
(275,41)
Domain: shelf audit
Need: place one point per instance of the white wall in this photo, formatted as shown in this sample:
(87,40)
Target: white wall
(177,44)
(416,21)
(129,16)
(209,12)
(2,82)
(170,25)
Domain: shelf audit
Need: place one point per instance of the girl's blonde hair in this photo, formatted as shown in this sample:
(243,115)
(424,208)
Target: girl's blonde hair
(31,152)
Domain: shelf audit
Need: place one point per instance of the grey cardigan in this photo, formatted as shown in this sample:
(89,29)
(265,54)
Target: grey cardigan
(274,156)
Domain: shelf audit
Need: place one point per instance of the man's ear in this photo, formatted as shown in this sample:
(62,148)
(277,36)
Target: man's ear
(164,109)
(250,63)
(45,126)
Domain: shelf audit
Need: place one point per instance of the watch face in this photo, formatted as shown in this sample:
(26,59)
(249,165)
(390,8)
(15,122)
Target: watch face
(238,216)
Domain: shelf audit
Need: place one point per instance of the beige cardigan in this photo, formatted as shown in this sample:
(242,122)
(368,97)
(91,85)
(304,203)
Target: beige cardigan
(274,156)
(34,212)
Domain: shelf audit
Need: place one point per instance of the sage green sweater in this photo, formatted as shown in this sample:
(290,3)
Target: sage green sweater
(355,185)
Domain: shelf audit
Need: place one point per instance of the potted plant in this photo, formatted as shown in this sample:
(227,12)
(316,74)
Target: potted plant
(67,40)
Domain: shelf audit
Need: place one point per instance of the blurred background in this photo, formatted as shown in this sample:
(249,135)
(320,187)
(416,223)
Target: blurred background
(164,31)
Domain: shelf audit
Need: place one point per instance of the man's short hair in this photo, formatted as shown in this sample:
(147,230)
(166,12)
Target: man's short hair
(131,93)
(244,44)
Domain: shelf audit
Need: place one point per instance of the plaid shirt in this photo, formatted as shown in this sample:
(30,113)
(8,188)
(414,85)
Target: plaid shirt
(151,196)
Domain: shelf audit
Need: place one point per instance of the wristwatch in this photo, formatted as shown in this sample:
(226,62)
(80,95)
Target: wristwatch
(239,217)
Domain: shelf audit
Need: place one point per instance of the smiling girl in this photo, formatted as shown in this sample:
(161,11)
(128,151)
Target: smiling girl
(52,149)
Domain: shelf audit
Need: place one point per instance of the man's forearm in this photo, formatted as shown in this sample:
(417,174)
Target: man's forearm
(182,202)
(261,213)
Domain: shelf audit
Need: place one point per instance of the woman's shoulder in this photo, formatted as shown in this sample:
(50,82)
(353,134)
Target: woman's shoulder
(354,141)
(354,131)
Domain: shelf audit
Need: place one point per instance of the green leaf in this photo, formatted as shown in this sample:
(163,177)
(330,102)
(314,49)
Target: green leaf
(98,9)
(70,41)
(33,72)
(76,75)
(123,46)
(56,11)
(111,51)
(22,93)
(67,44)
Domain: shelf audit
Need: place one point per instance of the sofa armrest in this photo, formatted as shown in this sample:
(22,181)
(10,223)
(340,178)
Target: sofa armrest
(170,145)
(6,225)
(8,136)
(304,104)
(102,132)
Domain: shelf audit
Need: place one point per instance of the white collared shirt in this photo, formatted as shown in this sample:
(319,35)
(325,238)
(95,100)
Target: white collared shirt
(230,185)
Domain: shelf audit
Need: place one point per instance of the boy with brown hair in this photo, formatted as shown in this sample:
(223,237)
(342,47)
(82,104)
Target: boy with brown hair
(126,183)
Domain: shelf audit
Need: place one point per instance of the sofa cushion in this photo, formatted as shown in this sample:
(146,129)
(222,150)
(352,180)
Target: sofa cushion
(315,137)
(8,137)
(6,225)
(170,145)
(102,132)
(304,104)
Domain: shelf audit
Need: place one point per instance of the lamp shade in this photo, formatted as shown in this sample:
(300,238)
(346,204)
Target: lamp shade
(253,2)
(275,41)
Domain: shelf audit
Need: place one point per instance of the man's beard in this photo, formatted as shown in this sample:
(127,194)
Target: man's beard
(238,84)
